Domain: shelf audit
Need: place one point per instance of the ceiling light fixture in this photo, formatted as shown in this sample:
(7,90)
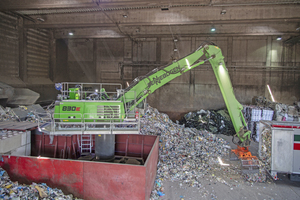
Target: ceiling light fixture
(40,19)
(125,16)
(223,12)
(279,38)
(70,33)
(213,29)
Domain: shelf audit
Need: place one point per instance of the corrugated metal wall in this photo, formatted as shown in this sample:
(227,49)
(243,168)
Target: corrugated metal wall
(37,52)
(9,45)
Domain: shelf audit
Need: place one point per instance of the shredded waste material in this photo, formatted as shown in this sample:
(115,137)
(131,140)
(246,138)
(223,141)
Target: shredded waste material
(266,147)
(214,121)
(15,191)
(189,155)
(33,113)
(219,122)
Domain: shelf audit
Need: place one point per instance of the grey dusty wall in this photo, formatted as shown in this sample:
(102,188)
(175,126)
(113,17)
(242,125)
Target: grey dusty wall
(38,58)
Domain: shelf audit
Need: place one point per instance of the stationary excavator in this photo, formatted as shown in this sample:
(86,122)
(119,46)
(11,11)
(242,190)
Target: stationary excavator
(88,109)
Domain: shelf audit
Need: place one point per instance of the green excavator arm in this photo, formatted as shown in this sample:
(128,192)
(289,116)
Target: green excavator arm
(141,87)
(233,106)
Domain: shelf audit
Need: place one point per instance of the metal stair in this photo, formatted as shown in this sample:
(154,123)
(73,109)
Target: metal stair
(86,144)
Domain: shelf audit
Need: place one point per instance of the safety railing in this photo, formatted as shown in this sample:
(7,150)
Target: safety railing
(111,122)
(87,91)
(45,120)
(90,123)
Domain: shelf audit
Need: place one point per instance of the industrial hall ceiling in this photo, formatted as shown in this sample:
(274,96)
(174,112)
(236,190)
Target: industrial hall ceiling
(135,19)
(43,42)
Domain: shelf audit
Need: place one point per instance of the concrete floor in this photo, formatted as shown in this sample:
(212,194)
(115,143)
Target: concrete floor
(233,186)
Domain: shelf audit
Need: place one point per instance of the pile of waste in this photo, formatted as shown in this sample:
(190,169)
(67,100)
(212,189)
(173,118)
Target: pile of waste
(219,122)
(7,114)
(14,190)
(32,113)
(283,112)
(265,109)
(266,147)
(188,155)
(259,175)
(214,121)
(253,114)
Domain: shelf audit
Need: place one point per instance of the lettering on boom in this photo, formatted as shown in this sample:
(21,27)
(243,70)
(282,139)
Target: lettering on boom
(156,80)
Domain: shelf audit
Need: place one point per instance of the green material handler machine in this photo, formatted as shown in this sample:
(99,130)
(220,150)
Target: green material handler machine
(86,108)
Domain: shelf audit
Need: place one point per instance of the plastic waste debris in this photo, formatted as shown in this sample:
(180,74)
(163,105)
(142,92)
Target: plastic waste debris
(214,121)
(35,191)
(188,155)
(266,148)
(160,193)
(219,121)
(283,112)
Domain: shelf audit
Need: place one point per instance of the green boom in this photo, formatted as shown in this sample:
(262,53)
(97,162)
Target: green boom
(147,85)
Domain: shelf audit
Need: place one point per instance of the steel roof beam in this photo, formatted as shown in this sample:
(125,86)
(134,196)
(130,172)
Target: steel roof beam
(217,22)
(14,5)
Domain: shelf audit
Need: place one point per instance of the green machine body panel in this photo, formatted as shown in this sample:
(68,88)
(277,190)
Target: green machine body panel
(89,111)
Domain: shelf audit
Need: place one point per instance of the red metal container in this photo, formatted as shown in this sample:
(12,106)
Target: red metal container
(88,179)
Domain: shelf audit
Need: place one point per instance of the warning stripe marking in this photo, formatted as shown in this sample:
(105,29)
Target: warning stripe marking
(284,126)
(296,146)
